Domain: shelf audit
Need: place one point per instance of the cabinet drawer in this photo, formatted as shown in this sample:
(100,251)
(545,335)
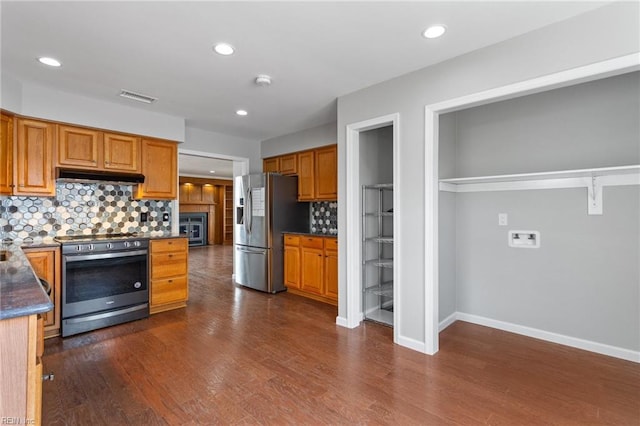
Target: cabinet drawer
(174,244)
(291,240)
(312,242)
(331,243)
(168,290)
(165,265)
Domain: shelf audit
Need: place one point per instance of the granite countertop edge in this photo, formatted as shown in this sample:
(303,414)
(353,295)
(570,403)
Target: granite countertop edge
(311,234)
(22,294)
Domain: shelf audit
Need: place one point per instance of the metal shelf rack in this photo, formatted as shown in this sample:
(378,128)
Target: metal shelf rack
(377,253)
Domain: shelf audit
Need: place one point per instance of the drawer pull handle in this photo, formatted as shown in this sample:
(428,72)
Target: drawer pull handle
(170,281)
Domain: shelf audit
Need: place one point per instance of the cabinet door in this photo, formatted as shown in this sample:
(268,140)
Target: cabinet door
(6,154)
(271,165)
(292,266)
(306,172)
(160,169)
(331,268)
(289,164)
(326,168)
(78,147)
(44,265)
(34,158)
(121,152)
(208,194)
(312,260)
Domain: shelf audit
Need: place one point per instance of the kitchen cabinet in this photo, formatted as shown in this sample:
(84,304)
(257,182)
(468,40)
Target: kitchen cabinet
(6,154)
(326,173)
(190,194)
(306,176)
(311,266)
(34,158)
(169,274)
(84,148)
(46,264)
(317,171)
(160,169)
(292,261)
(284,164)
(21,369)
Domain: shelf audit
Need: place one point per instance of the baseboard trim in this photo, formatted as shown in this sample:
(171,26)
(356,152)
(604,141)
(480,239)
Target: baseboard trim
(344,322)
(574,342)
(410,343)
(447,321)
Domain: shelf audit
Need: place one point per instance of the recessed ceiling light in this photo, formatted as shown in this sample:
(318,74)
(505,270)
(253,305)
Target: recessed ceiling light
(49,61)
(212,171)
(434,31)
(224,49)
(241,112)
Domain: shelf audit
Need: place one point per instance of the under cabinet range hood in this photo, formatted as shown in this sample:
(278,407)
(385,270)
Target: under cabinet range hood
(72,175)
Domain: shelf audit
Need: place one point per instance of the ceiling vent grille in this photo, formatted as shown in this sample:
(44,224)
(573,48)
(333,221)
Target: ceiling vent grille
(137,96)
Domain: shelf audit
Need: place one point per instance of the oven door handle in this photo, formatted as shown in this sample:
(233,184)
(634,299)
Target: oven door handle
(78,258)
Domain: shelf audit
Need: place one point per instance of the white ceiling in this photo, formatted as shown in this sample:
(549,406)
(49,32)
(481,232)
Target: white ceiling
(314,51)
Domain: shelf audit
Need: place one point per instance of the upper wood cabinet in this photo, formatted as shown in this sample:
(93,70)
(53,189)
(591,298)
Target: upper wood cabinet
(326,173)
(317,171)
(34,158)
(84,148)
(6,154)
(160,169)
(121,152)
(306,176)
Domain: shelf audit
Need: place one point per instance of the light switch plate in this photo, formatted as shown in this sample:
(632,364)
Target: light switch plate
(503,219)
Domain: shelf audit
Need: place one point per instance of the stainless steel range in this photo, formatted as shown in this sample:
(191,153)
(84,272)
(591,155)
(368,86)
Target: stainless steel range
(104,281)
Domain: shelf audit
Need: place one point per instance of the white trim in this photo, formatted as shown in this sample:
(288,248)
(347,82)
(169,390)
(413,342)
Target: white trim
(447,321)
(353,286)
(603,69)
(583,74)
(548,336)
(410,343)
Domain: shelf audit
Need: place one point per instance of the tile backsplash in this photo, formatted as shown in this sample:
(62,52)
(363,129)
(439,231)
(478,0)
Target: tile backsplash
(324,217)
(80,208)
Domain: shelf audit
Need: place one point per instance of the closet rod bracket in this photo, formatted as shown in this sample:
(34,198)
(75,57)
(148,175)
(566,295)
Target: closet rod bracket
(594,196)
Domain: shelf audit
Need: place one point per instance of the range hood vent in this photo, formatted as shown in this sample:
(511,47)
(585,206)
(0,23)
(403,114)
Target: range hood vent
(71,175)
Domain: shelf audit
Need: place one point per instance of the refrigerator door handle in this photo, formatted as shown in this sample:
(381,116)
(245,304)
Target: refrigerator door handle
(250,251)
(250,207)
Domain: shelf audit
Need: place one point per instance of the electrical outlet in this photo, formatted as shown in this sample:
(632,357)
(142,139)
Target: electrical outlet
(144,216)
(503,219)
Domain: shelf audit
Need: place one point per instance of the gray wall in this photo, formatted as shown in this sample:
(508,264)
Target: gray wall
(554,48)
(584,279)
(299,141)
(226,145)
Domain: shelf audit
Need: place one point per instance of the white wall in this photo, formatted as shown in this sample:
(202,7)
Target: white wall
(10,93)
(298,141)
(46,103)
(560,46)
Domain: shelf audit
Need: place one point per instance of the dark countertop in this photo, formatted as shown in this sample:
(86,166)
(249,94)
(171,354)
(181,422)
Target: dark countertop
(20,291)
(311,234)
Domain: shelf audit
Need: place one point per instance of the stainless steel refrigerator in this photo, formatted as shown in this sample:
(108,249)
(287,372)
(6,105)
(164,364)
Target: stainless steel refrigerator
(266,206)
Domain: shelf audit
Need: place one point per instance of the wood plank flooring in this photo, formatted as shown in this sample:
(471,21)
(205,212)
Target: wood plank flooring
(236,356)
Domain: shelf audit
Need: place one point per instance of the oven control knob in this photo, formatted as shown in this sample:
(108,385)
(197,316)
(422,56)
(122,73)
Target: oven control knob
(127,244)
(136,243)
(137,284)
(109,246)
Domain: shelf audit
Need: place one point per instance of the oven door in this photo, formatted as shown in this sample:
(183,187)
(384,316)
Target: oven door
(102,282)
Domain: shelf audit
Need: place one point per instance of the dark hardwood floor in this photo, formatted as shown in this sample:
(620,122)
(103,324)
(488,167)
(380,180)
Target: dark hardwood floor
(236,356)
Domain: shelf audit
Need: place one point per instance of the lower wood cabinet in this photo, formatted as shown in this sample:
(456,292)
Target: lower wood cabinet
(311,266)
(169,287)
(21,370)
(45,262)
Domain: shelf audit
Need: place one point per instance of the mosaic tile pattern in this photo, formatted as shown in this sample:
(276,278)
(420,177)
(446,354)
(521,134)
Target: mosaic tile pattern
(80,208)
(324,217)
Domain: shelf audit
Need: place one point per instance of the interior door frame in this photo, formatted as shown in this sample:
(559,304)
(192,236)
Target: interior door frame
(352,265)
(583,74)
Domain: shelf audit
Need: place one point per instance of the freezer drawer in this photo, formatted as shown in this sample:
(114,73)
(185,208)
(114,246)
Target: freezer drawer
(252,267)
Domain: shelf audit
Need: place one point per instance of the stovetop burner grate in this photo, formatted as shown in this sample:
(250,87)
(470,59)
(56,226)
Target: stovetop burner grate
(96,237)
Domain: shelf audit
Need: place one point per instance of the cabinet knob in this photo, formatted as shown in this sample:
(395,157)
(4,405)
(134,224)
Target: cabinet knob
(48,377)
